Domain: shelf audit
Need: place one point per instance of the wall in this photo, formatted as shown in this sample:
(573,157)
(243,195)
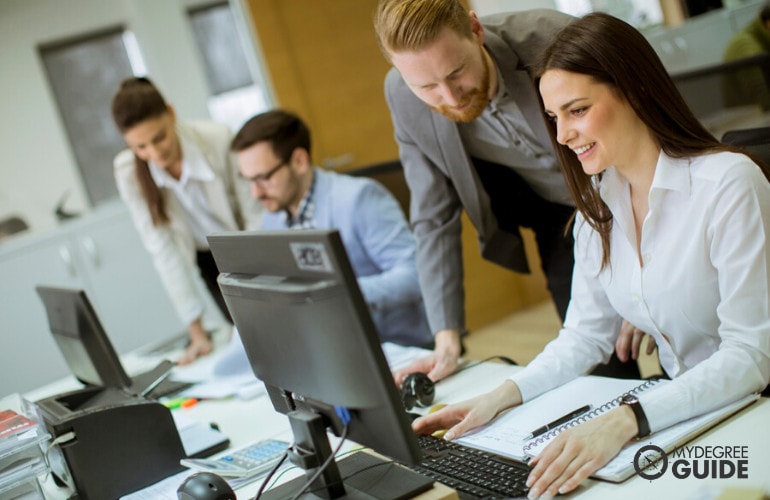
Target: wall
(37,164)
(484,7)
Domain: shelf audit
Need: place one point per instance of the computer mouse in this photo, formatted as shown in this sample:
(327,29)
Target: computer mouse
(205,486)
(417,390)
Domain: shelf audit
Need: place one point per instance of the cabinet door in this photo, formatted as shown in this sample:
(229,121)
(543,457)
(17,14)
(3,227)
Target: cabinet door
(123,284)
(29,357)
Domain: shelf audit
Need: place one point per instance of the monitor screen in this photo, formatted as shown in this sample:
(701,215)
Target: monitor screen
(308,334)
(81,339)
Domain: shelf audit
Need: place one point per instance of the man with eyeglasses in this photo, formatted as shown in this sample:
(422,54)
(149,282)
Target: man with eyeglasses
(273,152)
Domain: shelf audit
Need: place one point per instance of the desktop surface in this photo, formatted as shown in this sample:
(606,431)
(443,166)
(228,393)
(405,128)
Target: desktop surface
(245,421)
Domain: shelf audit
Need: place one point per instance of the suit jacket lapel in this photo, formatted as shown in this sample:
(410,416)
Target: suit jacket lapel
(519,83)
(460,169)
(216,190)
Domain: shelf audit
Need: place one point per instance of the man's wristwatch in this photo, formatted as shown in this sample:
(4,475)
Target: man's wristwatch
(641,419)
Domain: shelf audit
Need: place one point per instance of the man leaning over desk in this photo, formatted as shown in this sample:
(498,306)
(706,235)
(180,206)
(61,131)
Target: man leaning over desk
(472,137)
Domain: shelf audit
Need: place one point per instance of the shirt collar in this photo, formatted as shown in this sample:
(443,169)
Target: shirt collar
(194,165)
(670,173)
(306,213)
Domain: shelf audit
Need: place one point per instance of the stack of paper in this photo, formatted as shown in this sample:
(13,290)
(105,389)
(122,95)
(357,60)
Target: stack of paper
(22,438)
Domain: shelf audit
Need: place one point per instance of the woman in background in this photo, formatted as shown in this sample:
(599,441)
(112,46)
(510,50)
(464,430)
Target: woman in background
(672,233)
(180,183)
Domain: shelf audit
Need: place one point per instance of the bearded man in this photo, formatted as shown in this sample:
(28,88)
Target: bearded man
(471,136)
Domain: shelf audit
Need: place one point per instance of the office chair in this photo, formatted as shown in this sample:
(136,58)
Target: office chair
(753,140)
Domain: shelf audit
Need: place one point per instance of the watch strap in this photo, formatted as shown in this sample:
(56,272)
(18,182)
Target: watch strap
(641,419)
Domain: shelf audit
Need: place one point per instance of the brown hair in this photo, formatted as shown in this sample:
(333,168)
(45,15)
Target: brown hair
(407,25)
(284,130)
(615,53)
(138,100)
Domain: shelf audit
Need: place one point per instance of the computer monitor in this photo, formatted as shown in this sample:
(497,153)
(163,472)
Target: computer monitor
(88,351)
(82,341)
(309,337)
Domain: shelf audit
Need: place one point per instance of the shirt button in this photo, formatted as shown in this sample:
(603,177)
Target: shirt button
(647,258)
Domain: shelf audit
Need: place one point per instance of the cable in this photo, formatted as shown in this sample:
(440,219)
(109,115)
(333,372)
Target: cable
(270,474)
(67,436)
(339,455)
(323,467)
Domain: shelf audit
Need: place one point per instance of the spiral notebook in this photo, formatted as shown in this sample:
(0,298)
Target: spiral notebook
(506,435)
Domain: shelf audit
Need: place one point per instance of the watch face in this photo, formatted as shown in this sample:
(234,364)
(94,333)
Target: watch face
(629,399)
(650,462)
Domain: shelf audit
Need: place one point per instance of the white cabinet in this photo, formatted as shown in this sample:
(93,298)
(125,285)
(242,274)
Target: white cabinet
(99,252)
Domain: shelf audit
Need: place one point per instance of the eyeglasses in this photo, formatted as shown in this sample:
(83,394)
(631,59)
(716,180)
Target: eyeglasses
(263,179)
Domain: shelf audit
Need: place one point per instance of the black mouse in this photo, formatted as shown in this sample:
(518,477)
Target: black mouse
(417,390)
(205,486)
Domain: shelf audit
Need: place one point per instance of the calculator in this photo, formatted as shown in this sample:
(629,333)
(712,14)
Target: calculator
(247,461)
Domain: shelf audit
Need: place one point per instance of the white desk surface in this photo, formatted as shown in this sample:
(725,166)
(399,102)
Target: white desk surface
(251,420)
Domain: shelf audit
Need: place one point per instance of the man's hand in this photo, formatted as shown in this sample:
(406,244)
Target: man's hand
(629,340)
(200,343)
(439,364)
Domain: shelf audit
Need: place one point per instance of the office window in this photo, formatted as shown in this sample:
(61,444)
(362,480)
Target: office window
(235,96)
(83,75)
(639,13)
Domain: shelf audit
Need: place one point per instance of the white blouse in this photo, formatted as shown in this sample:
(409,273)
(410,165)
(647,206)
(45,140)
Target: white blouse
(701,292)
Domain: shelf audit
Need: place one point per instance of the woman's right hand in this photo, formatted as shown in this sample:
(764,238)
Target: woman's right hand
(460,418)
(200,343)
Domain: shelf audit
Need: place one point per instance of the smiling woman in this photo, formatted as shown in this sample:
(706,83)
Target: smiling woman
(180,184)
(671,234)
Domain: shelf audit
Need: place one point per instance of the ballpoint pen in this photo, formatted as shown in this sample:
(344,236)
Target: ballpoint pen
(559,421)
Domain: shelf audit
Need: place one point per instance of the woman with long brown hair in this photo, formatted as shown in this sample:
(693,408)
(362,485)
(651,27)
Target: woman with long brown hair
(672,233)
(180,183)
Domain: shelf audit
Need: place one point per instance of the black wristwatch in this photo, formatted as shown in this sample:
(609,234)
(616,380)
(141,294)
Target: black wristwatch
(641,419)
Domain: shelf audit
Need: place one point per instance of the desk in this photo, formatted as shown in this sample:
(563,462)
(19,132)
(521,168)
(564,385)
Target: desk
(246,421)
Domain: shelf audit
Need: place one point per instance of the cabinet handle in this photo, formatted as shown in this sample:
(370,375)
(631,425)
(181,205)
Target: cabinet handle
(66,257)
(89,246)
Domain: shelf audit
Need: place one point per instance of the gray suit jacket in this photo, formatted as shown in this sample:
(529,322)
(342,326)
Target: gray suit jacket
(441,177)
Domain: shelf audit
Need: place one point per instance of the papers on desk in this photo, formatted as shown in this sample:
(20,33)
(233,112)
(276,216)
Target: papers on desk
(162,490)
(208,384)
(399,356)
(506,434)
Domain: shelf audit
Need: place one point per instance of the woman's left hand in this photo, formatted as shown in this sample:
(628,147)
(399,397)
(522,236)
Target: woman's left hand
(580,451)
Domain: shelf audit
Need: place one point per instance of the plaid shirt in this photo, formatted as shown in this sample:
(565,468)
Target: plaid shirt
(305,218)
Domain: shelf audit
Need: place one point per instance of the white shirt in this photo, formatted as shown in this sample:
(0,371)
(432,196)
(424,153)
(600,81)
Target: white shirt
(702,292)
(190,192)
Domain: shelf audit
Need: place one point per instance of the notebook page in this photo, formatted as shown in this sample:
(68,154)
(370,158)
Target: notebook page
(505,435)
(621,467)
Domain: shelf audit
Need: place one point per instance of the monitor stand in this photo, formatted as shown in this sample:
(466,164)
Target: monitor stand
(359,476)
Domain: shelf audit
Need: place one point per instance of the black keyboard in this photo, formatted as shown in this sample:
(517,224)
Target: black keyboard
(472,473)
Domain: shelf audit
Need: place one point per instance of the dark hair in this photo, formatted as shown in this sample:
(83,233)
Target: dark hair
(284,130)
(138,100)
(764,14)
(614,53)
